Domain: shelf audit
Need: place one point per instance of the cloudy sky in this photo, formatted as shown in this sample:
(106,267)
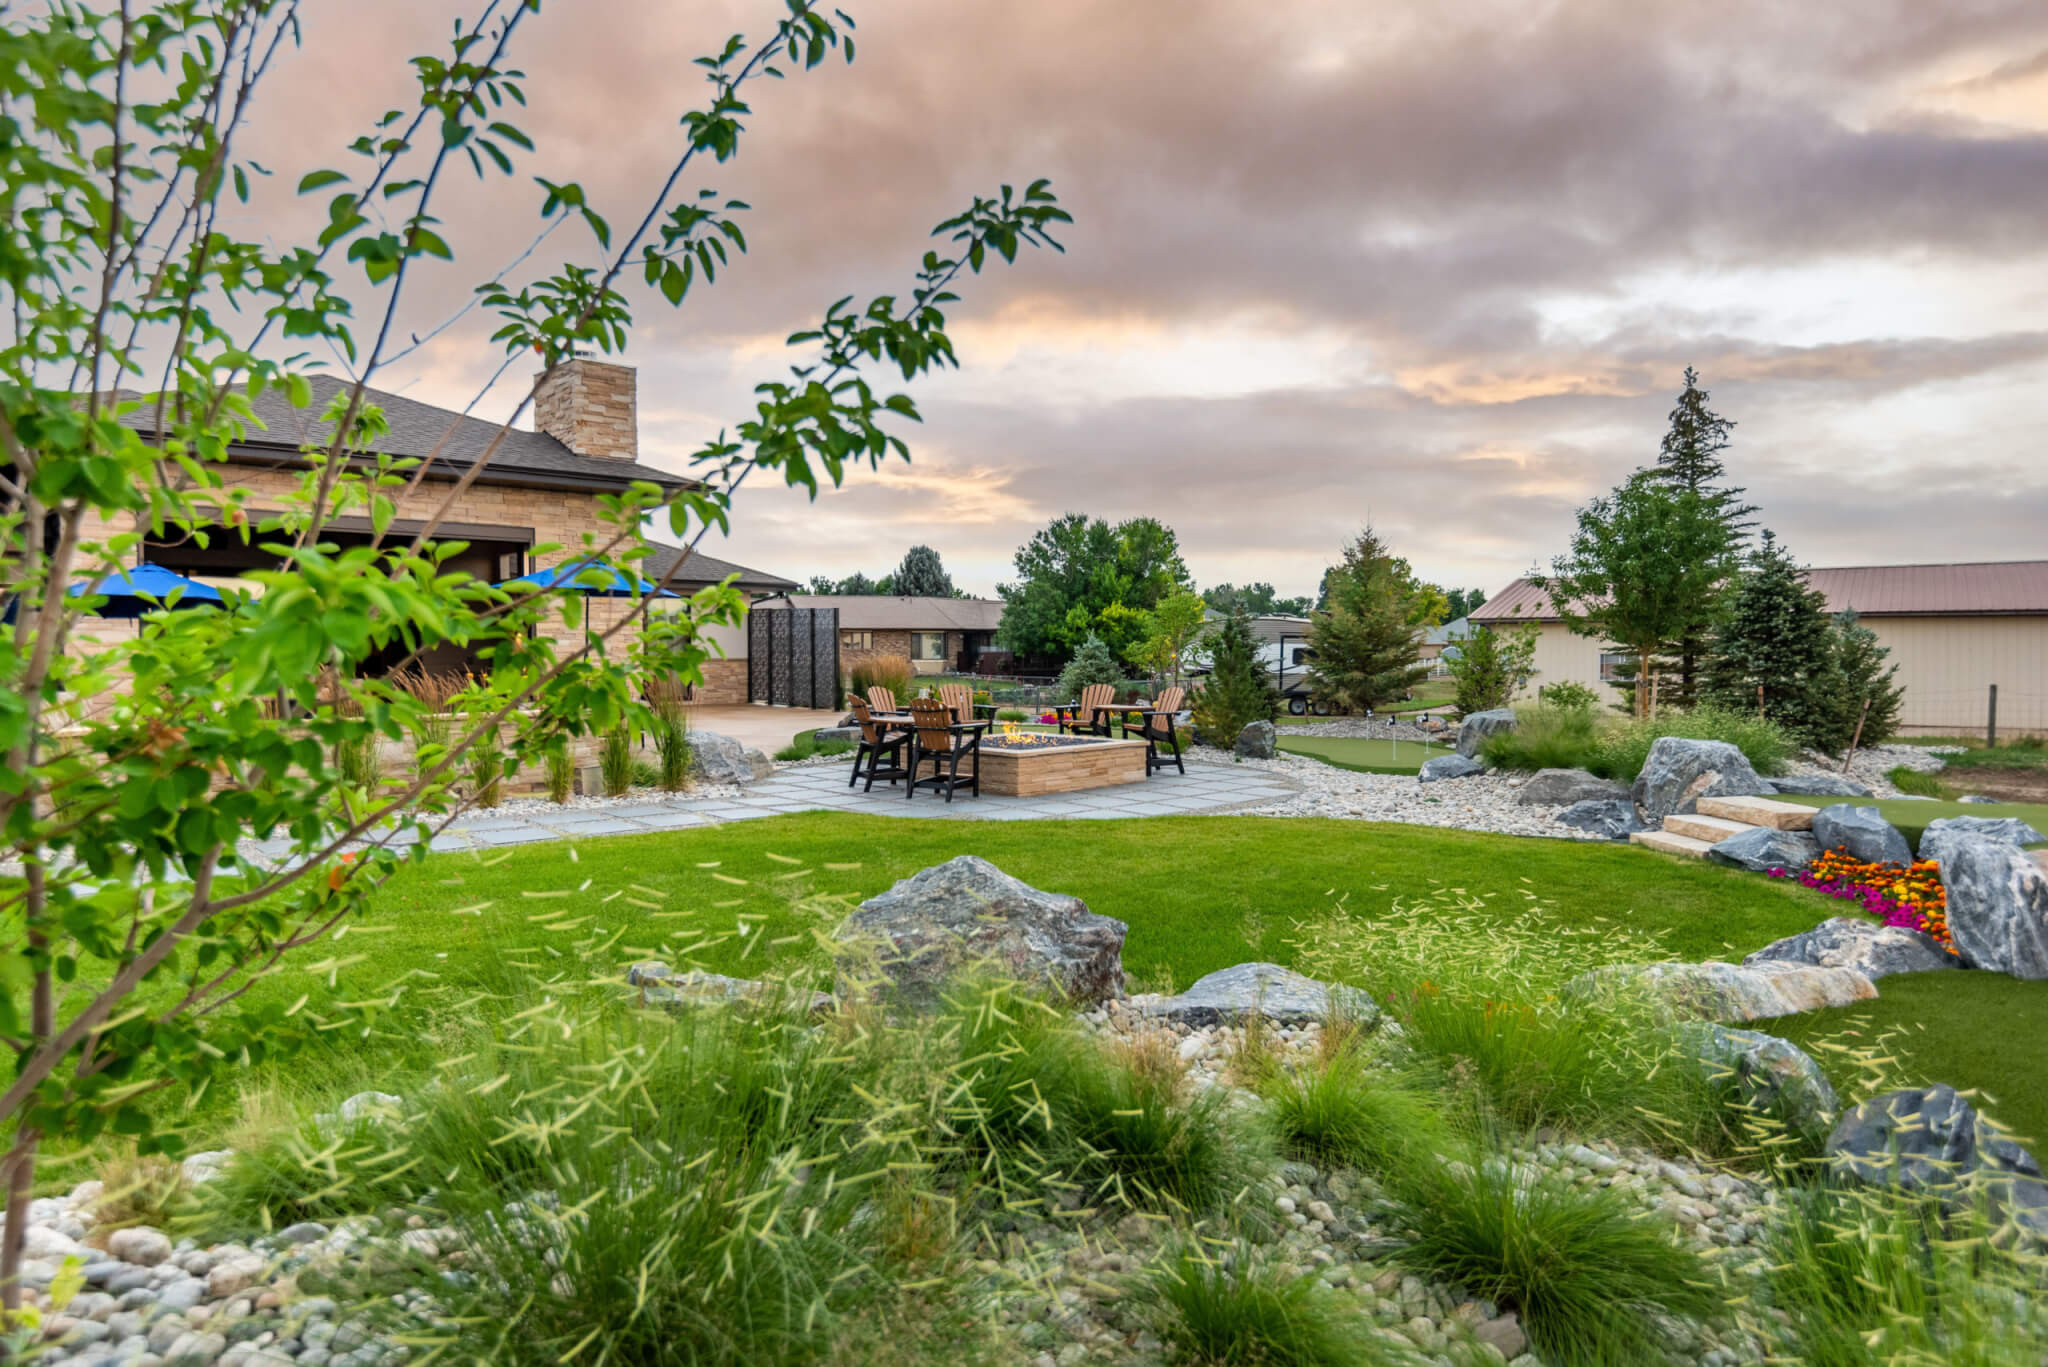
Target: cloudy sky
(1436,264)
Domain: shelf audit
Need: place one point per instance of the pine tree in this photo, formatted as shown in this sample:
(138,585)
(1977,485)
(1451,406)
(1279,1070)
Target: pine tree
(923,575)
(1490,667)
(1238,691)
(1690,459)
(1368,637)
(1776,649)
(1861,671)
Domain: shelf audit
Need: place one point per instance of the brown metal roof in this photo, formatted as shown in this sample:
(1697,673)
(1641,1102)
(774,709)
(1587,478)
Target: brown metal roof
(1981,589)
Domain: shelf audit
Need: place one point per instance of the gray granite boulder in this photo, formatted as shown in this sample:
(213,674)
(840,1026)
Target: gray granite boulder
(1563,787)
(1922,1139)
(825,734)
(1680,771)
(1943,832)
(1615,818)
(1997,906)
(1766,1074)
(1763,848)
(1258,740)
(1978,798)
(721,759)
(660,985)
(968,915)
(1873,950)
(1279,994)
(1449,766)
(1863,832)
(1715,991)
(1473,731)
(1818,785)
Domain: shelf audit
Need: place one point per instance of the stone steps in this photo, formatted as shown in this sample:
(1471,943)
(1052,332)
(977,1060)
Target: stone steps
(1670,842)
(1712,829)
(1759,811)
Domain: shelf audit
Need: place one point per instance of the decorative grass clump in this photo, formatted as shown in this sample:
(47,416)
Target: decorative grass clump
(1348,1111)
(805,744)
(1915,783)
(1860,1276)
(615,761)
(1232,1306)
(1583,1268)
(1547,736)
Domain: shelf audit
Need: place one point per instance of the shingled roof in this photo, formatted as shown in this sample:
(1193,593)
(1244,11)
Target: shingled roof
(709,569)
(523,458)
(1993,588)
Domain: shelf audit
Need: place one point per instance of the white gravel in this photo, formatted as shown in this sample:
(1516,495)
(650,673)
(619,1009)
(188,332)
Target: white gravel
(1485,803)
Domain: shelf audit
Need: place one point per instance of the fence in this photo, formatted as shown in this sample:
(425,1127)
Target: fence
(793,657)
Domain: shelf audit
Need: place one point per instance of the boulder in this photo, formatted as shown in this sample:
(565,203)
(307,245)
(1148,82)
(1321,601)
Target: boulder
(1873,950)
(825,734)
(1766,1074)
(1258,740)
(1279,994)
(1473,731)
(721,759)
(1921,1139)
(1980,798)
(1680,771)
(1943,832)
(1615,819)
(1714,991)
(1818,785)
(1562,787)
(968,914)
(660,985)
(1863,832)
(1763,848)
(1997,906)
(1449,766)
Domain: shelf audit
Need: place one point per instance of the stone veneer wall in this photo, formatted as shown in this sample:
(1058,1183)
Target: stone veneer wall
(1062,769)
(588,406)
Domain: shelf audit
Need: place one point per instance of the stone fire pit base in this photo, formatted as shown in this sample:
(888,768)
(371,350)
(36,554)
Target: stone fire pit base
(1079,763)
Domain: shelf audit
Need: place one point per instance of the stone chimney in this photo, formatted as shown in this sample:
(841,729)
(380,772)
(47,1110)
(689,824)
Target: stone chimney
(588,407)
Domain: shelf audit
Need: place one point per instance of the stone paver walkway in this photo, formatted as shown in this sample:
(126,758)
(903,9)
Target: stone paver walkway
(1205,788)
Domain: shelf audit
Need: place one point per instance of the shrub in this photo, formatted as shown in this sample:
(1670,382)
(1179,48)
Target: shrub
(1346,1112)
(1013,714)
(806,744)
(645,775)
(487,768)
(561,770)
(1764,743)
(1568,695)
(672,747)
(1546,736)
(1238,690)
(892,674)
(1916,783)
(1490,667)
(1253,1313)
(1580,1266)
(615,762)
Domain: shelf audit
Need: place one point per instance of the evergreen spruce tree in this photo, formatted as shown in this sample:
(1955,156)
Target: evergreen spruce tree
(1776,637)
(923,575)
(1490,667)
(1239,690)
(1861,671)
(1368,637)
(1093,663)
(1690,459)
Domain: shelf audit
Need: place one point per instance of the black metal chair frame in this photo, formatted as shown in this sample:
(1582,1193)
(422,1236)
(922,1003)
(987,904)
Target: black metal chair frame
(886,746)
(947,759)
(1146,733)
(1070,723)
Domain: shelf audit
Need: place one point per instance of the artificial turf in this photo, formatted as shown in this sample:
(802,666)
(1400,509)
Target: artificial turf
(1911,817)
(1365,754)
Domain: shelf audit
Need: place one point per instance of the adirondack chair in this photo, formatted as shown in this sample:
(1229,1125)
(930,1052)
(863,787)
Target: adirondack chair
(882,699)
(960,698)
(879,753)
(1154,726)
(945,743)
(1089,716)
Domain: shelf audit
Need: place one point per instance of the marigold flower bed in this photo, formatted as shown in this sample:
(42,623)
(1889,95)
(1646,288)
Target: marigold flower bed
(1909,895)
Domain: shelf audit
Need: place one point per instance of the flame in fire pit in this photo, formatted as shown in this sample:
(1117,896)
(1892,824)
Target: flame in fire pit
(1011,735)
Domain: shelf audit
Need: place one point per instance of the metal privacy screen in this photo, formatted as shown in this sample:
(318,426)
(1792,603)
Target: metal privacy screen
(793,657)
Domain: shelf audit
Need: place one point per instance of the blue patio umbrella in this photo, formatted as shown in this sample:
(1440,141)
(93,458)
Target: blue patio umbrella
(131,593)
(590,577)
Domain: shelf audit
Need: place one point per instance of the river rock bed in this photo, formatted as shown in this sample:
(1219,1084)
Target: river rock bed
(1481,803)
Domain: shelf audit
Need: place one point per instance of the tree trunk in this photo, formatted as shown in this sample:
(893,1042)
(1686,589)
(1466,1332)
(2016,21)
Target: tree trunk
(21,1175)
(1642,685)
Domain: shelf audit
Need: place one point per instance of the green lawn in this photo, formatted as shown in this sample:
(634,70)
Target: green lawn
(1913,817)
(1980,1031)
(1370,755)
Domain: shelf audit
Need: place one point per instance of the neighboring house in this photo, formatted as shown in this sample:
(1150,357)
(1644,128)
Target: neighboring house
(1952,630)
(1439,643)
(538,487)
(934,635)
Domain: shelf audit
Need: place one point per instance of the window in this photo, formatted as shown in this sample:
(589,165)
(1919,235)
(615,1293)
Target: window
(927,645)
(856,640)
(1612,666)
(511,564)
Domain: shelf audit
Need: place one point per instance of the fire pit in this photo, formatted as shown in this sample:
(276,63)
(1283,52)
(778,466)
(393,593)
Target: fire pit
(1029,764)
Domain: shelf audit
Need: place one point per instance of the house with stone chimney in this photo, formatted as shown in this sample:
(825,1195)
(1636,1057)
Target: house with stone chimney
(535,488)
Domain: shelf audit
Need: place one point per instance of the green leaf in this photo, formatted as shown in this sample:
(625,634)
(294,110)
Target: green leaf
(241,185)
(314,180)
